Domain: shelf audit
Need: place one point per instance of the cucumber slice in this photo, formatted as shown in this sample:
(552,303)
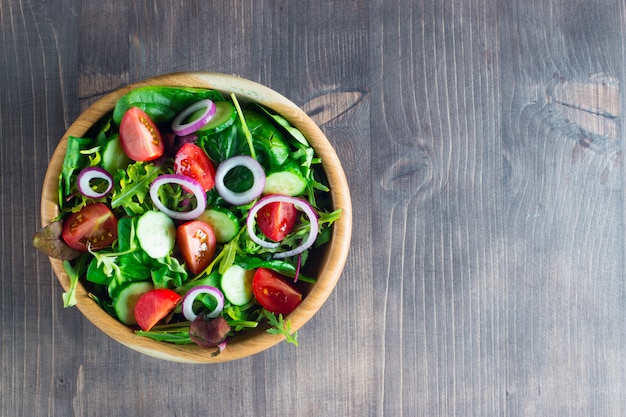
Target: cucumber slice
(113,156)
(124,304)
(289,182)
(224,117)
(156,233)
(237,285)
(223,222)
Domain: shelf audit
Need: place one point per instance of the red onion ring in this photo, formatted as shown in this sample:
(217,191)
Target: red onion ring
(189,298)
(194,125)
(220,347)
(189,184)
(300,204)
(258,175)
(93,173)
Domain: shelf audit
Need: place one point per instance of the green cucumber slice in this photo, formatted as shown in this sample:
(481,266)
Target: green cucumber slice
(113,156)
(237,285)
(225,115)
(289,182)
(224,223)
(124,303)
(156,233)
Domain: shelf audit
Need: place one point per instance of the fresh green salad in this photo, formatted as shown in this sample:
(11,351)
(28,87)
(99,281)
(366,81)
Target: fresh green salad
(189,216)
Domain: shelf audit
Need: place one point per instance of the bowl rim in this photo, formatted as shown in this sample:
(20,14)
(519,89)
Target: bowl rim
(336,249)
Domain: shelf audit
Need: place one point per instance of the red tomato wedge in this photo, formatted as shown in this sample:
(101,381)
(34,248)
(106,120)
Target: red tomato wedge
(154,306)
(276,220)
(197,243)
(193,162)
(274,293)
(139,136)
(94,224)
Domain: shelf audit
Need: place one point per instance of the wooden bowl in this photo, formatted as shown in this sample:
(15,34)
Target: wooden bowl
(328,263)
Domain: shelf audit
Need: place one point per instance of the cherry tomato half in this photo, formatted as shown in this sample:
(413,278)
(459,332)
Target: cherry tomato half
(139,136)
(196,241)
(273,293)
(193,162)
(154,306)
(276,220)
(94,224)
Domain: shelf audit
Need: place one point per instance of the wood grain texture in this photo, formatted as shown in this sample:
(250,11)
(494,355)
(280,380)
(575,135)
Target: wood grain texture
(498,205)
(483,145)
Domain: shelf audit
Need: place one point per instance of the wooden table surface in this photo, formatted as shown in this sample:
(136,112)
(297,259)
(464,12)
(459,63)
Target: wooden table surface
(483,144)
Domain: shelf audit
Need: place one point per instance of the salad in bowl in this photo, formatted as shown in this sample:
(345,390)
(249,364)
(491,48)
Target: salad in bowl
(196,217)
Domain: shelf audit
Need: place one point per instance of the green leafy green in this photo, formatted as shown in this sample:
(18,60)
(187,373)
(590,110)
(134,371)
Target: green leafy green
(176,333)
(240,317)
(162,104)
(280,120)
(279,265)
(131,187)
(74,272)
(73,162)
(127,263)
(244,126)
(269,142)
(281,327)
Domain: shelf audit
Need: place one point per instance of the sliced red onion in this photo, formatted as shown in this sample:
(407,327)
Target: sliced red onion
(258,176)
(300,204)
(194,125)
(189,184)
(189,298)
(220,347)
(93,173)
(298,265)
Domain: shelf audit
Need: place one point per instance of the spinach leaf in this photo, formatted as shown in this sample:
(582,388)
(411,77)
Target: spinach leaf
(212,279)
(162,104)
(284,123)
(225,144)
(278,265)
(73,162)
(126,234)
(74,272)
(269,143)
(96,274)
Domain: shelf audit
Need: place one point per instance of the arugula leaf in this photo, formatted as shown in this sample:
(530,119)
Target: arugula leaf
(281,327)
(131,187)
